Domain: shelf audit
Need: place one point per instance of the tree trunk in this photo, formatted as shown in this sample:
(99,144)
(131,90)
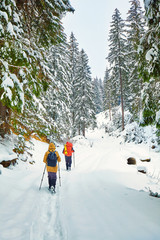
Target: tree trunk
(84,129)
(140,99)
(122,106)
(5,114)
(110,113)
(121,89)
(79,130)
(110,110)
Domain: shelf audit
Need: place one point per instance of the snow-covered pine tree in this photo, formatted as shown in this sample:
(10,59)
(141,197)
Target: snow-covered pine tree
(135,30)
(14,63)
(101,92)
(42,20)
(149,62)
(107,92)
(117,60)
(98,94)
(44,28)
(73,63)
(150,44)
(57,100)
(84,101)
(25,73)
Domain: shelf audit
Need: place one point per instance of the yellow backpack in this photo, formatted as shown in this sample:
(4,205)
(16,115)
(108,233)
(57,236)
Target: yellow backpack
(65,149)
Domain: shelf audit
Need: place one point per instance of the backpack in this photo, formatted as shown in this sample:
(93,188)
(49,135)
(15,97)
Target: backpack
(65,149)
(68,149)
(52,159)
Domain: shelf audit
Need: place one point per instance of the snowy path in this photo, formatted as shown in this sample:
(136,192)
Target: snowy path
(100,204)
(101,198)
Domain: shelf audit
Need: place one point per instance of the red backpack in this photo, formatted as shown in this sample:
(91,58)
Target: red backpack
(69,148)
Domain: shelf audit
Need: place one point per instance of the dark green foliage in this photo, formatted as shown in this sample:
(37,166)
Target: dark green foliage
(73,72)
(135,30)
(117,61)
(98,94)
(28,29)
(149,65)
(84,104)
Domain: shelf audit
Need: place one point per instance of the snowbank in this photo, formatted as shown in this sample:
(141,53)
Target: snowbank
(6,151)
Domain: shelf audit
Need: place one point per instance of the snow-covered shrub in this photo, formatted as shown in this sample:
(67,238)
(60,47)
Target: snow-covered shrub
(138,134)
(19,145)
(115,125)
(81,140)
(133,131)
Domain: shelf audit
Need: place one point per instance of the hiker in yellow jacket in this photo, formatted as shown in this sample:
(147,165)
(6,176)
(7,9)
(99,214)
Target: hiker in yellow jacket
(50,159)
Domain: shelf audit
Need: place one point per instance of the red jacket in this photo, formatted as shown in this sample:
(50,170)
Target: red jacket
(68,149)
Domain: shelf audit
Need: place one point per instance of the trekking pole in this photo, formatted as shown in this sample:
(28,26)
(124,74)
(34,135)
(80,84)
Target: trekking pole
(59,174)
(74,158)
(42,177)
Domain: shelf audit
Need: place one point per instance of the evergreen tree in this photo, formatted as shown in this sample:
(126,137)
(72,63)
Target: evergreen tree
(98,94)
(14,62)
(42,20)
(84,103)
(135,29)
(108,100)
(149,62)
(27,31)
(117,60)
(101,95)
(73,64)
(57,100)
(150,45)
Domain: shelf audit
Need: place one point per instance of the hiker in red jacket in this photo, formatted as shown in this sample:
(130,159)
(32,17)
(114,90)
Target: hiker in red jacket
(67,151)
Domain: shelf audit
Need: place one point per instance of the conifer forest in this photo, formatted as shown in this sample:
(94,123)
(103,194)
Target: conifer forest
(46,84)
(79,149)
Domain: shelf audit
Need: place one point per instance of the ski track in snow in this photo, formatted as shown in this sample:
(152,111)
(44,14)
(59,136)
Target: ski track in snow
(101,198)
(29,214)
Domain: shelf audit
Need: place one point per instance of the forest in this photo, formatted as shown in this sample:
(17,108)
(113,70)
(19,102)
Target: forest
(103,179)
(46,84)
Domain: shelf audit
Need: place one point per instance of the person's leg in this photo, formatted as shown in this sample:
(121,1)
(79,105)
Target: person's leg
(49,179)
(66,165)
(70,163)
(53,182)
(66,158)
(53,179)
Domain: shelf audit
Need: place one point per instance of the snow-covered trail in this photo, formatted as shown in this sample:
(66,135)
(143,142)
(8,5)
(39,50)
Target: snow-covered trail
(25,212)
(101,198)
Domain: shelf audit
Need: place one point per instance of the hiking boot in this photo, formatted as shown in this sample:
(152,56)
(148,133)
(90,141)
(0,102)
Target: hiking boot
(52,189)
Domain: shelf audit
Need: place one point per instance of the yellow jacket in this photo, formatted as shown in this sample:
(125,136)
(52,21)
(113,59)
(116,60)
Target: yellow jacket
(51,149)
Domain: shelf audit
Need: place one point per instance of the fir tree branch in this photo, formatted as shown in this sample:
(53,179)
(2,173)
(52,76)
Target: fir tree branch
(13,65)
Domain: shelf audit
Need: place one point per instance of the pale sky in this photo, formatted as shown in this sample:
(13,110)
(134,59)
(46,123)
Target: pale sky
(90,24)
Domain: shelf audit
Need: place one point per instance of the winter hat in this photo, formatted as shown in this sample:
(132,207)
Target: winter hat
(51,146)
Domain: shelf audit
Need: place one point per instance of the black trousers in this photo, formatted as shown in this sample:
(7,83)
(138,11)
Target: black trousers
(52,177)
(68,162)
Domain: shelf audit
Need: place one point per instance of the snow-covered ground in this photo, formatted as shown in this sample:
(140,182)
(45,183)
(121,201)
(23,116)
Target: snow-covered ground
(101,198)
